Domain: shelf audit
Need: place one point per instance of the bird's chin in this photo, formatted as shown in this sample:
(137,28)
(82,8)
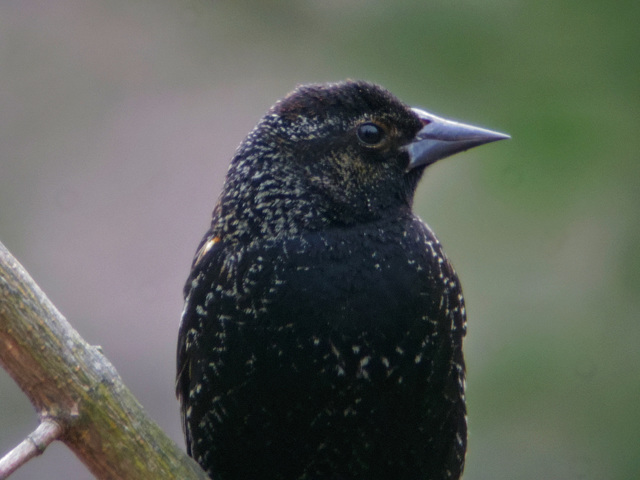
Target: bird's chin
(413,175)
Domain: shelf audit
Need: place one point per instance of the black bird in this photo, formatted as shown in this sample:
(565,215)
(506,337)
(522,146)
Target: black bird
(322,331)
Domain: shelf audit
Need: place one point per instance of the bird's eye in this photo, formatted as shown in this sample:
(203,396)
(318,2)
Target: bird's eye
(370,134)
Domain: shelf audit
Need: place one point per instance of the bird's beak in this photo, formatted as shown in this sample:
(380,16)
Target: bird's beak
(440,138)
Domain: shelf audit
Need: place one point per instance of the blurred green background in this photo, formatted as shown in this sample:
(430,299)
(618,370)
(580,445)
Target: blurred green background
(118,119)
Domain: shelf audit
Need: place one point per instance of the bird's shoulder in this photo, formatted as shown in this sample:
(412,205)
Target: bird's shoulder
(378,266)
(389,239)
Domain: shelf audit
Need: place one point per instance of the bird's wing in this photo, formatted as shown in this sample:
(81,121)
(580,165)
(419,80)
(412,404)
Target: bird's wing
(187,334)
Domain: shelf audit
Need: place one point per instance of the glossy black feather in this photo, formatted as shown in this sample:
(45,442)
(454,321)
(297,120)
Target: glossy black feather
(323,325)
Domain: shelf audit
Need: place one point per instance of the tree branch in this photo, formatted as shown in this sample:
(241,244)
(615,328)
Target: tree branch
(32,446)
(73,384)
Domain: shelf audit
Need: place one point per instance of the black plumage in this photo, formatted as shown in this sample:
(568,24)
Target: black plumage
(323,325)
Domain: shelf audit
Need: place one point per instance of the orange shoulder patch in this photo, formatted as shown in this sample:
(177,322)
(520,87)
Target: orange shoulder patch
(205,249)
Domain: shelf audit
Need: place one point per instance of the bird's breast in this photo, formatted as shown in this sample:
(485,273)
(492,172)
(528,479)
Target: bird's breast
(376,279)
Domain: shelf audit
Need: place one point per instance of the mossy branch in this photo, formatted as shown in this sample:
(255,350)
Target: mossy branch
(73,385)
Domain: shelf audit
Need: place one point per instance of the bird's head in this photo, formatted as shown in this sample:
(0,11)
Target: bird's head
(336,154)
